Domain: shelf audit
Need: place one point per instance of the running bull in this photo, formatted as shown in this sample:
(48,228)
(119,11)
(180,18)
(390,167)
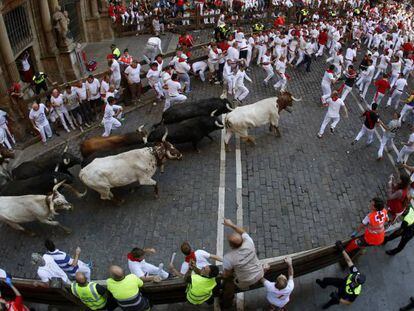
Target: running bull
(203,107)
(49,163)
(28,208)
(126,168)
(95,144)
(191,130)
(40,184)
(260,113)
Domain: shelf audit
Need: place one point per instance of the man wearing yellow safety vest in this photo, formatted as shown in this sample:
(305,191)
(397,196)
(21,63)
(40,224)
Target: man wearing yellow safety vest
(201,283)
(125,290)
(349,288)
(116,53)
(406,231)
(40,82)
(93,295)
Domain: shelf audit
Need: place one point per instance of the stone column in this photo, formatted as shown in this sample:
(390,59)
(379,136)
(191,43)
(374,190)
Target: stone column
(7,52)
(94,8)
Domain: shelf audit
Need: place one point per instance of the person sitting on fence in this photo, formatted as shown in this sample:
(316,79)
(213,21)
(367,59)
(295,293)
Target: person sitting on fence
(145,271)
(68,264)
(348,288)
(158,26)
(47,269)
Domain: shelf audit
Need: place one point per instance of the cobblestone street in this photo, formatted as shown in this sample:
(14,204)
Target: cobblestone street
(298,191)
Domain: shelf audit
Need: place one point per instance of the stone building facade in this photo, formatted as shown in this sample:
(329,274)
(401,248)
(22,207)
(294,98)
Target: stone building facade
(51,34)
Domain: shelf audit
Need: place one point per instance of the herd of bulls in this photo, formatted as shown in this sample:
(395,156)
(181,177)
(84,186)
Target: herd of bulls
(25,190)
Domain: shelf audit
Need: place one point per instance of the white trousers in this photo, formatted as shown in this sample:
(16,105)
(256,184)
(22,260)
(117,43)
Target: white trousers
(301,57)
(346,90)
(281,83)
(364,130)
(364,86)
(378,98)
(261,50)
(45,131)
(174,100)
(404,154)
(380,71)
(384,141)
(269,72)
(249,55)
(326,91)
(241,92)
(406,109)
(326,121)
(64,114)
(394,99)
(320,51)
(84,268)
(109,124)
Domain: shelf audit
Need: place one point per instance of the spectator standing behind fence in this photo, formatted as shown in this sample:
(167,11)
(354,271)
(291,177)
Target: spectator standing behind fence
(40,123)
(15,304)
(158,26)
(94,97)
(80,89)
(93,295)
(115,70)
(68,264)
(58,103)
(126,290)
(72,103)
(241,266)
(47,269)
(278,292)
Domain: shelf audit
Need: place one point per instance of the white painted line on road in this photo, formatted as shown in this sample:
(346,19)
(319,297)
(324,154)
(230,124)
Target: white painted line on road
(239,209)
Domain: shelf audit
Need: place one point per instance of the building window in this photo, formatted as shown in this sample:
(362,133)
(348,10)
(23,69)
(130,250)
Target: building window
(18,28)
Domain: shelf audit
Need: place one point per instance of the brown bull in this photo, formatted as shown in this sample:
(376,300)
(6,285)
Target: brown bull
(95,144)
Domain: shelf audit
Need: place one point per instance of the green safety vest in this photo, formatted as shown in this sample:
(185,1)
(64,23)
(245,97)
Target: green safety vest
(356,291)
(116,52)
(409,218)
(333,13)
(304,12)
(89,295)
(200,289)
(258,27)
(41,78)
(357,11)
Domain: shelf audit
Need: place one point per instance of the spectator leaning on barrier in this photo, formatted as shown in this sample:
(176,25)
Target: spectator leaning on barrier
(94,97)
(241,266)
(278,292)
(37,116)
(68,264)
(93,295)
(15,304)
(201,283)
(48,268)
(126,290)
(133,73)
(144,270)
(349,288)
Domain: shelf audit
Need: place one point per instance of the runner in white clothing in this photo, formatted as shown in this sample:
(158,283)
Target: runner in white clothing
(39,121)
(144,270)
(240,91)
(327,80)
(335,104)
(111,115)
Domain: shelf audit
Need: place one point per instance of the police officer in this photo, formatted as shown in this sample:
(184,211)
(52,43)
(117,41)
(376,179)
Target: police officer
(303,14)
(125,289)
(39,81)
(116,53)
(258,27)
(406,230)
(201,283)
(93,295)
(349,288)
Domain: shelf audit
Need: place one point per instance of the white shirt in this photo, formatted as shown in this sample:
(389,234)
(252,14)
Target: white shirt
(199,66)
(39,116)
(3,119)
(280,67)
(396,67)
(327,78)
(350,54)
(384,59)
(25,64)
(137,267)
(278,297)
(94,89)
(201,261)
(173,88)
(155,41)
(238,79)
(104,87)
(233,53)
(133,74)
(266,59)
(400,84)
(58,103)
(116,70)
(110,111)
(2,274)
(213,57)
(51,270)
(334,107)
(81,91)
(153,77)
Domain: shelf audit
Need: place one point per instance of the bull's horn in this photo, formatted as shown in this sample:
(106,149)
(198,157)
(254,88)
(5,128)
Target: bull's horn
(57,167)
(218,124)
(165,135)
(56,187)
(169,155)
(140,128)
(228,107)
(66,148)
(76,192)
(296,99)
(66,161)
(213,113)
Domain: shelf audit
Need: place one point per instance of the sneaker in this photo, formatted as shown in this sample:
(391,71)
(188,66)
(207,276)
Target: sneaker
(216,82)
(319,135)
(67,130)
(354,142)
(332,130)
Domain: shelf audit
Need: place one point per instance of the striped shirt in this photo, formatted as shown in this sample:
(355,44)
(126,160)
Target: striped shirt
(64,261)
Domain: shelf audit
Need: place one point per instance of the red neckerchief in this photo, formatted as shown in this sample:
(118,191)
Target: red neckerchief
(132,258)
(329,71)
(190,257)
(335,98)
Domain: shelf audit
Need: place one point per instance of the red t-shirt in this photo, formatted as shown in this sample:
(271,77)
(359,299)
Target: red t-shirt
(280,21)
(323,38)
(408,47)
(223,46)
(382,85)
(17,305)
